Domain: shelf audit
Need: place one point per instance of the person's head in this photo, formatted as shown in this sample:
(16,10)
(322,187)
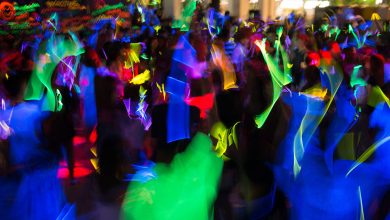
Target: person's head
(243,35)
(199,45)
(216,74)
(224,35)
(91,58)
(350,54)
(111,52)
(229,104)
(215,4)
(377,69)
(312,75)
(15,75)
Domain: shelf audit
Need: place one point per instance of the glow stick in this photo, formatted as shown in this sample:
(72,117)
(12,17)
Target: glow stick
(279,79)
(186,187)
(367,154)
(222,61)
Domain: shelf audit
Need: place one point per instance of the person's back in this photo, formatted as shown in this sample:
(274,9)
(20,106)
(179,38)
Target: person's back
(26,146)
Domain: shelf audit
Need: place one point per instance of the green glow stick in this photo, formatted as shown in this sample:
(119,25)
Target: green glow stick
(355,80)
(26,8)
(279,33)
(324,27)
(350,29)
(50,53)
(279,79)
(337,33)
(186,16)
(14,25)
(184,189)
(59,103)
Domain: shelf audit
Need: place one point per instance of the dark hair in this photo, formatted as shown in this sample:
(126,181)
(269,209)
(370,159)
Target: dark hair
(90,58)
(17,75)
(377,63)
(229,104)
(242,33)
(15,82)
(312,75)
(225,33)
(111,51)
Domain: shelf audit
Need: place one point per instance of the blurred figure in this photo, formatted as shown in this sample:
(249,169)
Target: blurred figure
(33,162)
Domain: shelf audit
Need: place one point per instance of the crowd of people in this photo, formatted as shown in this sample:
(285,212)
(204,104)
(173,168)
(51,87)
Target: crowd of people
(206,117)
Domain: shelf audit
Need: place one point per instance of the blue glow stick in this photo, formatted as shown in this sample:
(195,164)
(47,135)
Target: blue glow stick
(178,111)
